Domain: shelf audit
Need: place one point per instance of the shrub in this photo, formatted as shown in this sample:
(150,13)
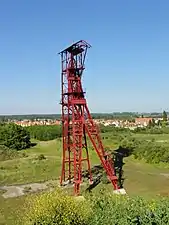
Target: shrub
(24,155)
(55,208)
(98,208)
(14,136)
(111,209)
(6,153)
(41,157)
(151,152)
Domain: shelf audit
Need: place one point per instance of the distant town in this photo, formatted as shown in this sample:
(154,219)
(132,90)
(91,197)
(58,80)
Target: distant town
(125,120)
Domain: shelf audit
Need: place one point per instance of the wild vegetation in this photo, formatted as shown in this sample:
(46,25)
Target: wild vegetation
(60,208)
(18,138)
(42,162)
(14,137)
(150,150)
(44,133)
(99,208)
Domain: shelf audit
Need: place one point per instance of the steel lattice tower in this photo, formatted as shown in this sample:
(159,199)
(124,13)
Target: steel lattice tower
(77,122)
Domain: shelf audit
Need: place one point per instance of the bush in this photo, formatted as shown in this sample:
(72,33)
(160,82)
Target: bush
(41,157)
(7,154)
(45,132)
(111,209)
(113,130)
(14,136)
(98,208)
(56,208)
(150,151)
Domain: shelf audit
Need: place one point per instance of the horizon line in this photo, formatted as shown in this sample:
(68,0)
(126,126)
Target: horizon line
(108,113)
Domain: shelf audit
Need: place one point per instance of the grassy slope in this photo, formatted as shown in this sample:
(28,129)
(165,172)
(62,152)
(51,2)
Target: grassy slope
(157,137)
(29,169)
(144,179)
(141,178)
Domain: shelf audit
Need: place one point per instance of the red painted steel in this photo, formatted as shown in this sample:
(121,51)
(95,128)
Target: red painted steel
(77,122)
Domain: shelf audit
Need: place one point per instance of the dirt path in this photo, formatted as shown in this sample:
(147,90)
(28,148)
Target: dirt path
(19,190)
(137,174)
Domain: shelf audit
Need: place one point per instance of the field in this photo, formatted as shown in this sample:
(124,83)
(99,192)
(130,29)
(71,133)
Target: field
(140,178)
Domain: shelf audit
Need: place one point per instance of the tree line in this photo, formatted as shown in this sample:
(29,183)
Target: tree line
(45,132)
(115,115)
(17,137)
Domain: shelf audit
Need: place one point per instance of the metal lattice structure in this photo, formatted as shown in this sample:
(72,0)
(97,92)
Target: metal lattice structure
(77,122)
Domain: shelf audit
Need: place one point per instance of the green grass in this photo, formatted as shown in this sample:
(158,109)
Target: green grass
(30,169)
(145,179)
(9,209)
(157,137)
(141,178)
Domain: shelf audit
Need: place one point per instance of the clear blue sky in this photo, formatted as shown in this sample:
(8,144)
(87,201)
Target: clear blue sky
(127,68)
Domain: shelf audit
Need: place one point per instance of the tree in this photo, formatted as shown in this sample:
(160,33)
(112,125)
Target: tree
(153,122)
(164,116)
(3,119)
(14,136)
